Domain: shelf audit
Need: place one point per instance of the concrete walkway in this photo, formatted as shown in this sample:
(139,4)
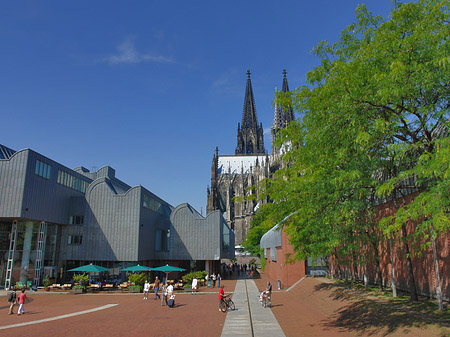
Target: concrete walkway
(250,318)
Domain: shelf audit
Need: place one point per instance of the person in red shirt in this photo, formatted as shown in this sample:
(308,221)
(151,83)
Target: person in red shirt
(221,295)
(22,299)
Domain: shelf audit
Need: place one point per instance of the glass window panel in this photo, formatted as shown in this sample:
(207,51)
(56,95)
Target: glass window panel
(158,240)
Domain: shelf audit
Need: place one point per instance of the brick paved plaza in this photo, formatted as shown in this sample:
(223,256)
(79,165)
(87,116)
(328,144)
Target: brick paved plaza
(315,307)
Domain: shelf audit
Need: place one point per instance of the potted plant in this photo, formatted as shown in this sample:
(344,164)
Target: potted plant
(137,281)
(46,282)
(187,287)
(80,283)
(135,288)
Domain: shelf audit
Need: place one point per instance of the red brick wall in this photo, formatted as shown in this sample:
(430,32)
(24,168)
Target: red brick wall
(287,273)
(423,263)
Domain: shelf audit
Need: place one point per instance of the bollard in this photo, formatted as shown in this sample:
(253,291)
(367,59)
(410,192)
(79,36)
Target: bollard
(278,284)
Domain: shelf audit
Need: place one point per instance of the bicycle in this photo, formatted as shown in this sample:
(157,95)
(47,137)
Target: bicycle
(265,300)
(226,303)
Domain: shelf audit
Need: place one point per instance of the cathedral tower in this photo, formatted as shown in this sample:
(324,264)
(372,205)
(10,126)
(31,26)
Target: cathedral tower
(236,179)
(250,135)
(283,115)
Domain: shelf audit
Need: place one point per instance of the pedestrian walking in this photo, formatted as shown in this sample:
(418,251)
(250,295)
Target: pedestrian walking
(194,285)
(269,293)
(156,287)
(219,278)
(169,290)
(146,289)
(164,295)
(22,299)
(213,279)
(12,300)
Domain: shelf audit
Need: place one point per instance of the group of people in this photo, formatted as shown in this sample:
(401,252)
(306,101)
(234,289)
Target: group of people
(246,270)
(167,297)
(13,299)
(214,278)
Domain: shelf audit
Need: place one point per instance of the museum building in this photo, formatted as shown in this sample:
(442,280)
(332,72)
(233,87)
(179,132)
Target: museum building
(53,218)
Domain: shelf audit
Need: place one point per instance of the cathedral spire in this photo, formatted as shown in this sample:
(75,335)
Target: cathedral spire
(250,138)
(283,115)
(286,113)
(285,83)
(277,115)
(249,119)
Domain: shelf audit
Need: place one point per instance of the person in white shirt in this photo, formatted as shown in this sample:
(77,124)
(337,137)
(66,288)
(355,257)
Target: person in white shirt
(194,286)
(169,290)
(146,289)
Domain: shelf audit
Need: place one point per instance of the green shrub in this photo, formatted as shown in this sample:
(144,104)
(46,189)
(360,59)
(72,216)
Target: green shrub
(135,286)
(190,276)
(200,274)
(137,279)
(79,286)
(81,279)
(187,285)
(263,260)
(46,282)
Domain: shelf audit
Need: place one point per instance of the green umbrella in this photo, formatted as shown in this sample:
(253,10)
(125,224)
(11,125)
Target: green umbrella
(167,269)
(90,268)
(137,268)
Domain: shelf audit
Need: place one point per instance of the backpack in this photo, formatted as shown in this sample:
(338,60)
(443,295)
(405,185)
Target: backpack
(12,297)
(171,303)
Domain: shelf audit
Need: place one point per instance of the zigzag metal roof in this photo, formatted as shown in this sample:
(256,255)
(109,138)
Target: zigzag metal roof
(6,152)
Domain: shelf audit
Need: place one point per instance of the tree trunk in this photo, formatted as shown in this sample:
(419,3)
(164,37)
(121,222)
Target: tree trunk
(332,266)
(366,279)
(412,282)
(355,268)
(436,270)
(394,284)
(378,266)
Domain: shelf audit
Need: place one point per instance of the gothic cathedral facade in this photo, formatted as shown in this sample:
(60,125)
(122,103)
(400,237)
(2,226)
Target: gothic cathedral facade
(236,179)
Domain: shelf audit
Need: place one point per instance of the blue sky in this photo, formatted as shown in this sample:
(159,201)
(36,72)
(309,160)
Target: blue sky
(152,87)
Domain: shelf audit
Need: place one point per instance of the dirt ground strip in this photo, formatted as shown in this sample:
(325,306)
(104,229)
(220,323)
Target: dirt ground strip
(319,307)
(193,315)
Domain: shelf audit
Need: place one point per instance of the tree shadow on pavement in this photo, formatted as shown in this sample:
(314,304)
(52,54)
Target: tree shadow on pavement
(370,315)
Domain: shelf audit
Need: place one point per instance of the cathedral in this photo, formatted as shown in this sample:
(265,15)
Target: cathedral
(235,179)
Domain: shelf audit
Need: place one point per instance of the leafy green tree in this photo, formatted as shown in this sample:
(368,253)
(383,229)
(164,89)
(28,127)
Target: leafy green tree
(373,126)
(260,224)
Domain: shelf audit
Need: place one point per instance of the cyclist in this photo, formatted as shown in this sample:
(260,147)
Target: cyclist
(221,295)
(269,293)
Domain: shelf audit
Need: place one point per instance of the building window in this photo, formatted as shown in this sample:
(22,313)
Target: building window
(71,181)
(75,239)
(155,205)
(161,240)
(225,237)
(76,220)
(43,169)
